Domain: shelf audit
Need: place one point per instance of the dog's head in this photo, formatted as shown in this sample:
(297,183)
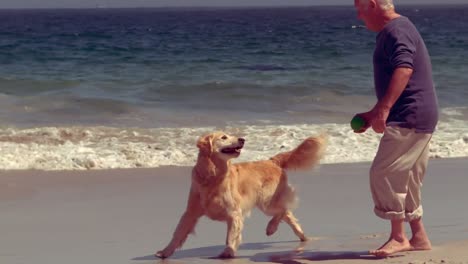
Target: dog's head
(221,145)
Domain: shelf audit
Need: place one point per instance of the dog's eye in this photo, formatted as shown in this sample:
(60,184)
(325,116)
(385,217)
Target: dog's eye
(224,137)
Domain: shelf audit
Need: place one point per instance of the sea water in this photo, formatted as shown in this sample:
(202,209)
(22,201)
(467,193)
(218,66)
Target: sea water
(123,88)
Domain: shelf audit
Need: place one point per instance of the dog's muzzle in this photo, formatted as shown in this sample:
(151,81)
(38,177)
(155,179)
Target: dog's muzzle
(236,149)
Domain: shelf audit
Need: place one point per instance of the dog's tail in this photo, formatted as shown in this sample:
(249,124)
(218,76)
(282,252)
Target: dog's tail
(304,156)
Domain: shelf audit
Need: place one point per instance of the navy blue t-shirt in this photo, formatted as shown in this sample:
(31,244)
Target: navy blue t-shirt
(399,44)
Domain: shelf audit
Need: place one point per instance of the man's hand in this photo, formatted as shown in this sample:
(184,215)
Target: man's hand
(367,117)
(375,118)
(379,117)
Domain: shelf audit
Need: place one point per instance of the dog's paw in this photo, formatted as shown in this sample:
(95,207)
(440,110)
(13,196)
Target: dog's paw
(227,253)
(163,254)
(271,228)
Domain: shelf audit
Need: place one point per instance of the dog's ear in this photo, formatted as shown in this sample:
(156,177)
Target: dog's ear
(205,144)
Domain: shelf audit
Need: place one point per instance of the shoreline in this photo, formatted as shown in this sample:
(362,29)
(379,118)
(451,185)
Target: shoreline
(81,148)
(125,215)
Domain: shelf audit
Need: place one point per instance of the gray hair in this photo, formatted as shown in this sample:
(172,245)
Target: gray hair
(383,4)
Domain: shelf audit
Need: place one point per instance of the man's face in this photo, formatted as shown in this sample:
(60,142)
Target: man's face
(366,13)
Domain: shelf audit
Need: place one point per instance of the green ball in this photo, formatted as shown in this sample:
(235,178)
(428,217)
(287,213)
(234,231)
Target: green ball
(357,123)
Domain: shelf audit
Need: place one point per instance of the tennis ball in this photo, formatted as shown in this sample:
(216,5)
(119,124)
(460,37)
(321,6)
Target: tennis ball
(357,123)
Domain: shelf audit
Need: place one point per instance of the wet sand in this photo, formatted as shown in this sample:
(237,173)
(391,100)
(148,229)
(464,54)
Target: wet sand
(124,216)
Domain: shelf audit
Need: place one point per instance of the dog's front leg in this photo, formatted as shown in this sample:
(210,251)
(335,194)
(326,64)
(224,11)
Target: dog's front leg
(186,226)
(235,223)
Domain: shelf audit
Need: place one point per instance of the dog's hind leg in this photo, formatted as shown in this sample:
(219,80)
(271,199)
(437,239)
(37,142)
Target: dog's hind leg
(293,223)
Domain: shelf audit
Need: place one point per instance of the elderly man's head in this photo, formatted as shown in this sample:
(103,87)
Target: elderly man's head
(374,12)
(383,4)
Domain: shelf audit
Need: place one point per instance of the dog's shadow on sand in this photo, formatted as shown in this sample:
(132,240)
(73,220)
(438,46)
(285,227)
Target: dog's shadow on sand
(207,252)
(293,256)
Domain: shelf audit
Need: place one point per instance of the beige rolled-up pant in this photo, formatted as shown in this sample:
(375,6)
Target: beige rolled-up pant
(397,173)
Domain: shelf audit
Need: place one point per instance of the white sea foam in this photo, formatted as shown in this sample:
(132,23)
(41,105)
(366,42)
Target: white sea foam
(76,148)
(453,111)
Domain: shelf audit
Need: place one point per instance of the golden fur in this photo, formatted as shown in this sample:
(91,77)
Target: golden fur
(227,192)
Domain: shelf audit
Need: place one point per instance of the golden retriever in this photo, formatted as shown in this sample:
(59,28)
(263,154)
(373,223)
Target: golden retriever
(227,192)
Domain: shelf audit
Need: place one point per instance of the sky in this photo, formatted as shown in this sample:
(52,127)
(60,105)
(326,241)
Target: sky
(176,3)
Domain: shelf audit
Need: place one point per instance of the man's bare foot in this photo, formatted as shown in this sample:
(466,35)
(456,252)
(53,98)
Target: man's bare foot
(420,243)
(391,247)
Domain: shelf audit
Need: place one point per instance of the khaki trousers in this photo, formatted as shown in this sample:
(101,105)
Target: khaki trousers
(397,173)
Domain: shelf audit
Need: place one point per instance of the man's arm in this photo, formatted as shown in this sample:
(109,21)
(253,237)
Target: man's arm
(381,110)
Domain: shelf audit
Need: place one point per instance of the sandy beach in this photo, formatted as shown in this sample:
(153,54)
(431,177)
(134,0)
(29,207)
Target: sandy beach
(125,215)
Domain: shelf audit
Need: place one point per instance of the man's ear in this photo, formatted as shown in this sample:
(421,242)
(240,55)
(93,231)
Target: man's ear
(205,144)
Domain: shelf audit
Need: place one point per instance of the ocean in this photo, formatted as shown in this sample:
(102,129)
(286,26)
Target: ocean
(123,88)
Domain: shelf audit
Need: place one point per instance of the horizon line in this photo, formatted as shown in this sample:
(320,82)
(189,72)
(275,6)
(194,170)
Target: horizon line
(220,6)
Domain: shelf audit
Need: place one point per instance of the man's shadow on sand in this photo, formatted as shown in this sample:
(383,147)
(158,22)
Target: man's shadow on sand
(293,256)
